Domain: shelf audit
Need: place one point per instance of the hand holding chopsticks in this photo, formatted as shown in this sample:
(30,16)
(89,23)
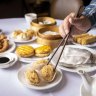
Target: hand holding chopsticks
(64,40)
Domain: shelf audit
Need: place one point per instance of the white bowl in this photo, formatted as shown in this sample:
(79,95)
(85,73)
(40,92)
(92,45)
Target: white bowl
(13,59)
(29,17)
(8,56)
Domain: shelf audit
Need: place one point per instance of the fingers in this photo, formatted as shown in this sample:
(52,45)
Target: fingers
(76,21)
(61,31)
(65,26)
(82,23)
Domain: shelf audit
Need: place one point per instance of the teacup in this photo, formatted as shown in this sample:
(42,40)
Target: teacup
(29,17)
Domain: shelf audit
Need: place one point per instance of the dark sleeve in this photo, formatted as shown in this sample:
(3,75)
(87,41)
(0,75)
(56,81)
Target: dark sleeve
(93,19)
(90,11)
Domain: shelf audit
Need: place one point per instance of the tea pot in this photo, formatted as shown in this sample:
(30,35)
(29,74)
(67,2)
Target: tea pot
(89,82)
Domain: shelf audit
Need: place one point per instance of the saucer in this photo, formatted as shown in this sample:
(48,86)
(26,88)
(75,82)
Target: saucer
(12,57)
(31,59)
(23,41)
(6,56)
(88,45)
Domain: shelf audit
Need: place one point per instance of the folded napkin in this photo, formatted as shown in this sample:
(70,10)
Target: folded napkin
(77,56)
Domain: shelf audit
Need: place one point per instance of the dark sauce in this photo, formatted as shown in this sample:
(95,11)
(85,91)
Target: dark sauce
(4,60)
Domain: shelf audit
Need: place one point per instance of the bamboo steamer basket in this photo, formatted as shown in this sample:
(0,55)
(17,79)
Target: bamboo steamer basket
(51,40)
(35,26)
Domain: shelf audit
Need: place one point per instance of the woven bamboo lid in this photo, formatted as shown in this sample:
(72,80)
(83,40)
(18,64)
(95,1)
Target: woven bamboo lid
(41,19)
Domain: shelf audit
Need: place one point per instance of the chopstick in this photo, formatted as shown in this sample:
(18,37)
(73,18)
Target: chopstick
(67,36)
(57,49)
(65,41)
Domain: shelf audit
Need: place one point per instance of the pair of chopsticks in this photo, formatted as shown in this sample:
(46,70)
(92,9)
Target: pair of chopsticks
(65,41)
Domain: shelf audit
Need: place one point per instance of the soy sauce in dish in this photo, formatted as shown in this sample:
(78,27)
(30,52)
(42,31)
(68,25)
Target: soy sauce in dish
(4,60)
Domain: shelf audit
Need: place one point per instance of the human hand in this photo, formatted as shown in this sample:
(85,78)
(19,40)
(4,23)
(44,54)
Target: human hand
(81,25)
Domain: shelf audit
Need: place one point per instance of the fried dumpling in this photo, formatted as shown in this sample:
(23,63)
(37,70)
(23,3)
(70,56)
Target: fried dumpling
(32,77)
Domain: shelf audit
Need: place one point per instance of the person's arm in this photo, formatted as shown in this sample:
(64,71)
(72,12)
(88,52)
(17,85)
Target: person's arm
(91,9)
(82,24)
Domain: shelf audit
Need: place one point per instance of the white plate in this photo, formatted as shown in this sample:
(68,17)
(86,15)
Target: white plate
(31,59)
(91,32)
(13,61)
(22,79)
(87,69)
(89,45)
(11,48)
(83,91)
(21,41)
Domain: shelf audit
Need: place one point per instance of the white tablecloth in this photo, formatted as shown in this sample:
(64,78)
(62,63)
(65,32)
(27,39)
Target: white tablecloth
(9,84)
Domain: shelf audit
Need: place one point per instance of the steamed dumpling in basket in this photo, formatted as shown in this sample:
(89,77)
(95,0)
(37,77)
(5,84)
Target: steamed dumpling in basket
(76,56)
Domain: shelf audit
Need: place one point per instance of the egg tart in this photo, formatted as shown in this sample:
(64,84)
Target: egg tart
(25,51)
(43,51)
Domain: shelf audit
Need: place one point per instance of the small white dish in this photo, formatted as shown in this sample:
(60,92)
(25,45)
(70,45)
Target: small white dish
(86,69)
(31,59)
(89,45)
(13,59)
(11,48)
(29,17)
(22,79)
(7,56)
